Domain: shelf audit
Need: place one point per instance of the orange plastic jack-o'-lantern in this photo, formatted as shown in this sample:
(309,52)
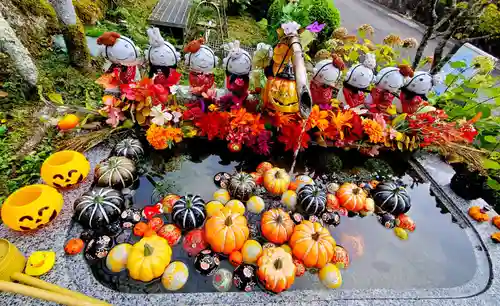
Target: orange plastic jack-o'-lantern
(31,207)
(280,94)
(65,169)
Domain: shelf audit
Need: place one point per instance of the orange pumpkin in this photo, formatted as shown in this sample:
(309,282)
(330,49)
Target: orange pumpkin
(68,122)
(276,225)
(351,197)
(496,221)
(276,181)
(226,231)
(74,246)
(476,213)
(332,201)
(140,228)
(263,167)
(312,244)
(236,258)
(276,269)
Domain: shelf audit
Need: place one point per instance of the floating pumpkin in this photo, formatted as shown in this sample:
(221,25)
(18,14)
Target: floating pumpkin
(168,202)
(401,233)
(116,172)
(297,218)
(330,218)
(140,228)
(212,207)
(236,258)
(496,221)
(130,217)
(189,212)
(255,205)
(276,270)
(98,207)
(276,225)
(31,207)
(369,207)
(340,257)
(155,223)
(129,148)
(392,198)
(226,231)
(330,276)
(351,197)
(244,277)
(387,220)
(332,187)
(118,257)
(65,169)
(236,206)
(251,251)
(405,222)
(276,181)
(312,199)
(221,179)
(257,177)
(171,233)
(300,268)
(98,248)
(175,276)
(332,202)
(206,262)
(241,186)
(263,167)
(222,280)
(74,246)
(222,195)
(194,242)
(303,180)
(312,244)
(289,199)
(148,258)
(68,122)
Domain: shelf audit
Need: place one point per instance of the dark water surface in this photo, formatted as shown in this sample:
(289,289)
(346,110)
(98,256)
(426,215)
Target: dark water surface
(437,255)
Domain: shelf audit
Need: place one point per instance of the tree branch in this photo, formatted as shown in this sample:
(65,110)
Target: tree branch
(428,33)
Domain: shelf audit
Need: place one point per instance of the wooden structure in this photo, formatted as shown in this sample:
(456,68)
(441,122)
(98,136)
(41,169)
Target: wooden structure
(172,14)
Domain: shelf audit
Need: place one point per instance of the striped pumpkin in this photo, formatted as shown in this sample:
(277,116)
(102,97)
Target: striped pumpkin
(351,197)
(276,181)
(99,207)
(117,172)
(130,148)
(312,199)
(241,186)
(392,198)
(276,226)
(189,212)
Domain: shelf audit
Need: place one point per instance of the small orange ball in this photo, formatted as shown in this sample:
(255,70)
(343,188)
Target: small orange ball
(236,258)
(74,246)
(68,122)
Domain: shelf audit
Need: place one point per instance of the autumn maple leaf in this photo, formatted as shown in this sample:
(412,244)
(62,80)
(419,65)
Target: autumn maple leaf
(290,135)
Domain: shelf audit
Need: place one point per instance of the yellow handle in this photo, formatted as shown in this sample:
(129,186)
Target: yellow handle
(38,283)
(41,294)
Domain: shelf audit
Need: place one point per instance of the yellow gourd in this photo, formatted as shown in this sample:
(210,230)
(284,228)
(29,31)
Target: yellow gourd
(148,258)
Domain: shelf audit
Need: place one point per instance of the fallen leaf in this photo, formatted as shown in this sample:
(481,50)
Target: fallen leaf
(3,94)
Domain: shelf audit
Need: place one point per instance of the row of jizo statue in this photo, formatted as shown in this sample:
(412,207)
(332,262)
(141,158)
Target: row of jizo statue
(279,94)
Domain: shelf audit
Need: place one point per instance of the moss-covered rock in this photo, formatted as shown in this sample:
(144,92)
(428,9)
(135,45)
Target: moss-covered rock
(90,11)
(379,166)
(39,8)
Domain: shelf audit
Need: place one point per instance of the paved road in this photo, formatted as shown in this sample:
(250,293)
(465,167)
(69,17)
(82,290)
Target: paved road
(357,12)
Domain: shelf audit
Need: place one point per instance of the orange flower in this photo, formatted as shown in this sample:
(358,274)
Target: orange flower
(163,137)
(280,119)
(338,122)
(240,117)
(374,130)
(318,118)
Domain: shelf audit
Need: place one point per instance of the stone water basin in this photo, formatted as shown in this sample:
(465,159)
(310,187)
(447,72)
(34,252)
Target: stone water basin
(439,254)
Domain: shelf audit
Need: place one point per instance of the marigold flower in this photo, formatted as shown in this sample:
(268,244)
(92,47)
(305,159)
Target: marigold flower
(163,137)
(373,130)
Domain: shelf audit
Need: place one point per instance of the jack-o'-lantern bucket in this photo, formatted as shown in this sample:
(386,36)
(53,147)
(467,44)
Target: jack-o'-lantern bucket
(11,260)
(31,207)
(65,169)
(280,94)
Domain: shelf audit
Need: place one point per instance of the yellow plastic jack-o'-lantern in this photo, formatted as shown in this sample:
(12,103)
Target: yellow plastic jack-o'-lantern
(31,207)
(65,169)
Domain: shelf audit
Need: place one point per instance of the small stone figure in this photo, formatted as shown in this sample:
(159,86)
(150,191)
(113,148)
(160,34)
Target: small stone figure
(357,80)
(387,84)
(415,91)
(327,74)
(122,54)
(162,59)
(201,62)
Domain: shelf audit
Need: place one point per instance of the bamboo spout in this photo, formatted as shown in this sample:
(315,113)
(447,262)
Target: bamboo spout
(299,67)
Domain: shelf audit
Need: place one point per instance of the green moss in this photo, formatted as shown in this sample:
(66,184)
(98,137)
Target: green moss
(90,11)
(39,8)
(76,43)
(380,166)
(245,29)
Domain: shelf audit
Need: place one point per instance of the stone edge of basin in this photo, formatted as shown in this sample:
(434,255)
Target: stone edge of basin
(73,272)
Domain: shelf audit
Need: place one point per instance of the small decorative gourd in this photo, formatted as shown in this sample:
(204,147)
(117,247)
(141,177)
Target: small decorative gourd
(175,276)
(387,220)
(251,251)
(212,207)
(222,280)
(236,258)
(330,218)
(340,257)
(99,207)
(244,277)
(289,199)
(129,148)
(148,258)
(130,217)
(351,197)
(312,199)
(206,262)
(276,226)
(276,181)
(255,205)
(74,246)
(330,276)
(98,248)
(241,186)
(194,242)
(405,222)
(392,198)
(312,236)
(118,257)
(226,231)
(303,180)
(276,270)
(171,233)
(263,167)
(116,172)
(222,195)
(236,206)
(189,212)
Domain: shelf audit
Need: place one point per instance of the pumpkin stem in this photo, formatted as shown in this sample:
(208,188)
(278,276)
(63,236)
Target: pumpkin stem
(278,264)
(315,236)
(228,221)
(279,219)
(355,191)
(148,250)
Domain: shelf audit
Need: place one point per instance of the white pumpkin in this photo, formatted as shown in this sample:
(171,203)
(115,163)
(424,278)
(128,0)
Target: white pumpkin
(222,195)
(236,206)
(289,199)
(117,257)
(255,205)
(175,276)
(251,251)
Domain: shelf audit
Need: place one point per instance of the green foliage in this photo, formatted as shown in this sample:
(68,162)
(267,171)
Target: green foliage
(489,22)
(246,29)
(379,166)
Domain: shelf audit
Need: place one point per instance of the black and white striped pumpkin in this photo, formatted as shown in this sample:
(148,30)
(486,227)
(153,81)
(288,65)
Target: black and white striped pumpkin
(241,186)
(117,172)
(99,207)
(189,212)
(312,199)
(392,198)
(130,148)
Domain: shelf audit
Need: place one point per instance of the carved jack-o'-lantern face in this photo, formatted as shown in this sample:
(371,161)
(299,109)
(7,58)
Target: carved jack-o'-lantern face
(65,169)
(31,207)
(281,95)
